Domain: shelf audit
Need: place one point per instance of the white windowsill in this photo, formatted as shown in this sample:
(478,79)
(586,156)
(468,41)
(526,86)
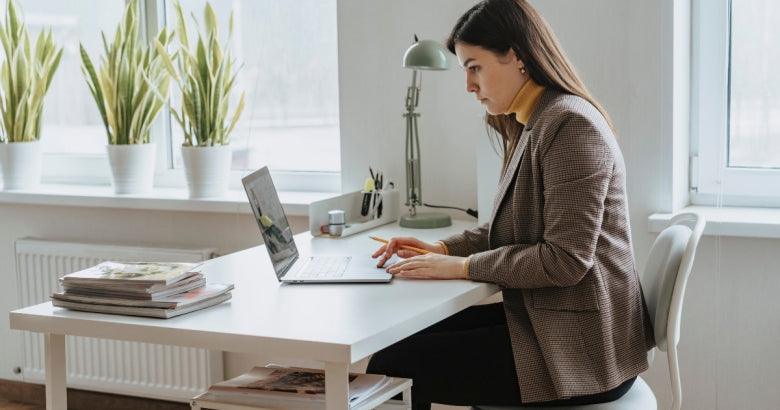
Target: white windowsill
(728,221)
(295,203)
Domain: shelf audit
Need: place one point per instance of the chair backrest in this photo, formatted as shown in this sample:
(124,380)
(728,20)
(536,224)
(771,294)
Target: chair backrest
(663,283)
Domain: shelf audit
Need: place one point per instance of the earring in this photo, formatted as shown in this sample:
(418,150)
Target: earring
(522,70)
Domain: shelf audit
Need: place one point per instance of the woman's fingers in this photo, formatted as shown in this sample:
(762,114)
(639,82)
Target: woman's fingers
(390,247)
(405,253)
(407,264)
(421,273)
(379,251)
(394,246)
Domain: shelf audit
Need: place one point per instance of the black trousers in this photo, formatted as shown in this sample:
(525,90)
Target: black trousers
(466,360)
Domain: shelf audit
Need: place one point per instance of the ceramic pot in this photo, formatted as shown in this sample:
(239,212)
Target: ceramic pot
(132,167)
(21,164)
(207,170)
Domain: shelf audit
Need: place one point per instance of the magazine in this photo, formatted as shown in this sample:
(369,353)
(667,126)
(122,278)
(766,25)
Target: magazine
(134,273)
(176,301)
(156,292)
(273,386)
(143,311)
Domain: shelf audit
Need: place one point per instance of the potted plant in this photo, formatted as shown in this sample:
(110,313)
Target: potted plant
(25,77)
(205,75)
(130,88)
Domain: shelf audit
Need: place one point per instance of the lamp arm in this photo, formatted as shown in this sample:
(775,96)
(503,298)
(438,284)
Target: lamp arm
(418,163)
(413,180)
(413,93)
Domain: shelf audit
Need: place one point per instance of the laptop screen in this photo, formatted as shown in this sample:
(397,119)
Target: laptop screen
(271,219)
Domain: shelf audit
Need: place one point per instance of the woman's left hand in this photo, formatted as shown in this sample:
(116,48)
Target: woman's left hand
(430,266)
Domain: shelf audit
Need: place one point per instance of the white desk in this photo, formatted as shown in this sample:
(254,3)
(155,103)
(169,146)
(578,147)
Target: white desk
(334,324)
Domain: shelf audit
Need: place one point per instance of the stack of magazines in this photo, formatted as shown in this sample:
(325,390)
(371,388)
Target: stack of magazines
(154,289)
(288,388)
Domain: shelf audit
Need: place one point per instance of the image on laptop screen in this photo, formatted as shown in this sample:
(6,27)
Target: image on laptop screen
(271,219)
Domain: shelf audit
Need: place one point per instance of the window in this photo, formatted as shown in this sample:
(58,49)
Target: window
(289,74)
(72,124)
(290,122)
(73,136)
(736,102)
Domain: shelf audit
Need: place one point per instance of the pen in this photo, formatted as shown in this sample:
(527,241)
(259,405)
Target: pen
(407,247)
(381,178)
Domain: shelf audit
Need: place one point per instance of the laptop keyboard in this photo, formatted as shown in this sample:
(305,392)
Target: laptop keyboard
(320,267)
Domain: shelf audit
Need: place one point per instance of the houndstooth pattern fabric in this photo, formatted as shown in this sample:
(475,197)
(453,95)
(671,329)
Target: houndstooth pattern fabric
(559,246)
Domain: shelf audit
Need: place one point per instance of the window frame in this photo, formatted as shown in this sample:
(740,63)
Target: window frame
(713,182)
(80,169)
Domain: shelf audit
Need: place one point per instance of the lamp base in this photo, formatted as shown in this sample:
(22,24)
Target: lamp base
(426,220)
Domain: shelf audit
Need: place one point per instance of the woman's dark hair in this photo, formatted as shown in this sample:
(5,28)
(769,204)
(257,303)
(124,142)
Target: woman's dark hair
(503,25)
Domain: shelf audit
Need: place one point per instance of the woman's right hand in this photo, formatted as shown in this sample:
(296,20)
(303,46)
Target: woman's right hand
(393,246)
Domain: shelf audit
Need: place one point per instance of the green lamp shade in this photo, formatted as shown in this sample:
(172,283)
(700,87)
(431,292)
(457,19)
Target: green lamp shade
(426,55)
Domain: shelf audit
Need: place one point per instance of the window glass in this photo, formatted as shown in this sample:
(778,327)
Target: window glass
(289,74)
(754,105)
(71,121)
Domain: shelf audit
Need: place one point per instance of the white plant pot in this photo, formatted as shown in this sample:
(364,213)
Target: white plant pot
(207,170)
(21,164)
(132,167)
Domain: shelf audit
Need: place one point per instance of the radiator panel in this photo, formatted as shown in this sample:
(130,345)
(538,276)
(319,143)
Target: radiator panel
(121,367)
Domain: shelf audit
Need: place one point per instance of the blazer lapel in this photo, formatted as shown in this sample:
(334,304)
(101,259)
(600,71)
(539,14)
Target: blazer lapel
(511,170)
(506,179)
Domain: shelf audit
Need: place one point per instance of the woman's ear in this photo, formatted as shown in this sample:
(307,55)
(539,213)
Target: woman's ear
(512,56)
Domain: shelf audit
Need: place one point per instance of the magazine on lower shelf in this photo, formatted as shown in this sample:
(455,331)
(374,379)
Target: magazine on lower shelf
(197,299)
(277,386)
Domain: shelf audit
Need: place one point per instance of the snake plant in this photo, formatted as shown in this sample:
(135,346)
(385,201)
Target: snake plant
(205,75)
(25,77)
(131,85)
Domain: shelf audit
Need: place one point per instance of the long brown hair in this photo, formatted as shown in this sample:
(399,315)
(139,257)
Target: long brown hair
(503,25)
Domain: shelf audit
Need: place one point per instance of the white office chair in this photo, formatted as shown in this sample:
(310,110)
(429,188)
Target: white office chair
(663,282)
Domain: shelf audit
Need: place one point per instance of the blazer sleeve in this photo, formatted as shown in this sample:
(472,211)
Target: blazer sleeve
(577,167)
(469,242)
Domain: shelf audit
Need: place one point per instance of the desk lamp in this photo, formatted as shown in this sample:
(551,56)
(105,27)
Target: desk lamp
(422,55)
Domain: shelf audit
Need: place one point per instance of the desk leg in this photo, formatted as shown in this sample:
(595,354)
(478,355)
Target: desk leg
(336,386)
(56,390)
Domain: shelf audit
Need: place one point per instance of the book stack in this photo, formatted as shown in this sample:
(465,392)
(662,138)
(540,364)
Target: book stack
(153,289)
(277,387)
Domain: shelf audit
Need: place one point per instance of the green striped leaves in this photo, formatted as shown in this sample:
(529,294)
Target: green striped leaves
(25,76)
(205,73)
(130,87)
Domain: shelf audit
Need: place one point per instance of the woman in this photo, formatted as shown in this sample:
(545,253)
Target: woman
(572,327)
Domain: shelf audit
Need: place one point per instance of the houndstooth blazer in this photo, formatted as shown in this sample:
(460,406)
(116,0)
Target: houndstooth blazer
(559,245)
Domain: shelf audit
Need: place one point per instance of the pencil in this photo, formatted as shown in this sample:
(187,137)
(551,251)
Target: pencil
(407,247)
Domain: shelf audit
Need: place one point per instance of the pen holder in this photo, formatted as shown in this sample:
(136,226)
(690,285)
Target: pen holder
(352,205)
(371,206)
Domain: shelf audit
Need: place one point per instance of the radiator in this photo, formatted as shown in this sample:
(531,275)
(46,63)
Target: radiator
(129,368)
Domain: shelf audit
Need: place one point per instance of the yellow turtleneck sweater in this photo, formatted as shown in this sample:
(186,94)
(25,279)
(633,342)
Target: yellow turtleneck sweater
(525,101)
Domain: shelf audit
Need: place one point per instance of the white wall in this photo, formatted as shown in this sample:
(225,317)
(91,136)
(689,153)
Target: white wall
(373,36)
(623,50)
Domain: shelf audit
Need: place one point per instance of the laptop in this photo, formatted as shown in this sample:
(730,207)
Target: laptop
(291,267)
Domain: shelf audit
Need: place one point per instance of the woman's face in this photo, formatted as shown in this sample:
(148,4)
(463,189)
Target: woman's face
(494,79)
